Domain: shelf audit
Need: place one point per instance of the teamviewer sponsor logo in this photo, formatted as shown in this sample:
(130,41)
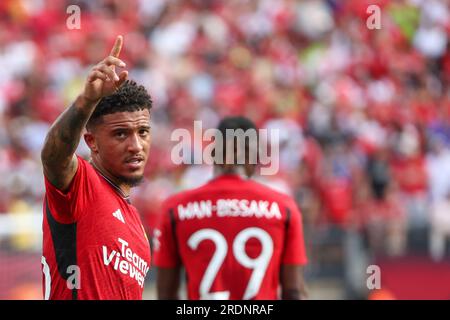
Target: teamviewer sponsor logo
(118,214)
(127,262)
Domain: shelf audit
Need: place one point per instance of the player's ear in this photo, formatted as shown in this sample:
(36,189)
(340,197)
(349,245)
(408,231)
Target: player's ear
(89,138)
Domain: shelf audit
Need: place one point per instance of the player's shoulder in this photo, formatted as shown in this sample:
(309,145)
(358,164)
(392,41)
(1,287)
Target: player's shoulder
(250,187)
(87,173)
(270,192)
(83,163)
(183,196)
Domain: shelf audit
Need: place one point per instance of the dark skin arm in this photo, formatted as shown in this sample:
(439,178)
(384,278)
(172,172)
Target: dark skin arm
(168,283)
(58,154)
(292,283)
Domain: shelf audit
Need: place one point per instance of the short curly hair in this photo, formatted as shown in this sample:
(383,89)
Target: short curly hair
(129,97)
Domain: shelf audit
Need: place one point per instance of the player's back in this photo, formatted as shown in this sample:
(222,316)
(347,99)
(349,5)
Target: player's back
(231,236)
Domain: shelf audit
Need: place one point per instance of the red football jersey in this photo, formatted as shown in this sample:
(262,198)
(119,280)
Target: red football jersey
(231,235)
(94,244)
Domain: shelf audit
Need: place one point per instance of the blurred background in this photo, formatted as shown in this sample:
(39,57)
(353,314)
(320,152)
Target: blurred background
(364,118)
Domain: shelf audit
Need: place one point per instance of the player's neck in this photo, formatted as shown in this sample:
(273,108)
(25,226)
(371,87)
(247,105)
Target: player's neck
(233,170)
(122,188)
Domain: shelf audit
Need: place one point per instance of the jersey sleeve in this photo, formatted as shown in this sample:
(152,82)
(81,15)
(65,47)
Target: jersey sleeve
(165,245)
(294,248)
(66,207)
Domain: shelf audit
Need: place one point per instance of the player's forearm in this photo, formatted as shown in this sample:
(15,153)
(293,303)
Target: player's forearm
(64,135)
(168,290)
(294,294)
(290,294)
(293,285)
(168,283)
(168,296)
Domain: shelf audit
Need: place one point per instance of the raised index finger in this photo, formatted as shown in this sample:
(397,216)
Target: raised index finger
(117,47)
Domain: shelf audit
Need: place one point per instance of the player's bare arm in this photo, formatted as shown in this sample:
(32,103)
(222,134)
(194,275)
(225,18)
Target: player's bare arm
(168,283)
(58,154)
(292,283)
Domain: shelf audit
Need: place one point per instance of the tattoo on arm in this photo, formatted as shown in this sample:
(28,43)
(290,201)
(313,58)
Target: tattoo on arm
(64,135)
(62,141)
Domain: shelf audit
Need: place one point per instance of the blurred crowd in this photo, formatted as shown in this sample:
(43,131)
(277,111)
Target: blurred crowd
(364,113)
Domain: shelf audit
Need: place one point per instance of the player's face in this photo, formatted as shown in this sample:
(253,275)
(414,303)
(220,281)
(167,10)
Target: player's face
(122,143)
